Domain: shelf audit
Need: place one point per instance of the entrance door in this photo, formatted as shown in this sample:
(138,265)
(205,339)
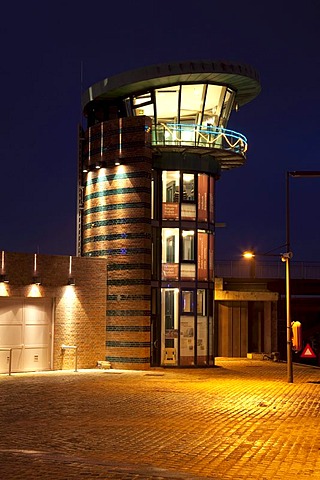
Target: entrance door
(25,326)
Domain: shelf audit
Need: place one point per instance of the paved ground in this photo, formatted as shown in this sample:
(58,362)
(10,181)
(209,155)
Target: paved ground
(241,420)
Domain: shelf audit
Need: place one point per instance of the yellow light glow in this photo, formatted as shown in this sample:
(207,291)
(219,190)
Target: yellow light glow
(188,177)
(34,291)
(4,290)
(69,294)
(248,255)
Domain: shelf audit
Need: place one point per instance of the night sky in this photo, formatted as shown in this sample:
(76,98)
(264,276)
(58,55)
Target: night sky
(44,44)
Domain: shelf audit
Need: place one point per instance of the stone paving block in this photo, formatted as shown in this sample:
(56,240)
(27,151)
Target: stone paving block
(239,420)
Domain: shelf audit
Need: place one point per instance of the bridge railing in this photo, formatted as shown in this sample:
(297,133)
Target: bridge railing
(274,269)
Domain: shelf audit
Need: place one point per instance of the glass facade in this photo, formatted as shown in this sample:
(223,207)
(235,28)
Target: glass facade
(189,115)
(183,219)
(194,104)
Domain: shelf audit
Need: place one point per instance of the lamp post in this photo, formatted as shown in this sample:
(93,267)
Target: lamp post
(286,257)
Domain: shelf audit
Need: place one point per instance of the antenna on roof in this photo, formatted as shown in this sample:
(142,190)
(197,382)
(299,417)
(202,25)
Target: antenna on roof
(81,89)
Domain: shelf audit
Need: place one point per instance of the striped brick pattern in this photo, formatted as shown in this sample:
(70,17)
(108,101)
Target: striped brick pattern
(116,225)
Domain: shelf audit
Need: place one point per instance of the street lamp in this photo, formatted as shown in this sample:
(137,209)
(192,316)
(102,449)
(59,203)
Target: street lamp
(286,257)
(248,255)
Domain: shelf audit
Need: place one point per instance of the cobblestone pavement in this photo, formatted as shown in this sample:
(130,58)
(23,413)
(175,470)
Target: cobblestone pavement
(241,420)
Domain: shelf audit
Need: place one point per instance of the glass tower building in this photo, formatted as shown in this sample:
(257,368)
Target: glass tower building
(155,142)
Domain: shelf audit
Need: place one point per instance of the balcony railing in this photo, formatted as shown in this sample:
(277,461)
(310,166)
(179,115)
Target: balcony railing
(188,135)
(243,269)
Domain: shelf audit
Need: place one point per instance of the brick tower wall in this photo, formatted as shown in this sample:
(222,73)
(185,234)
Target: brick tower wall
(116,225)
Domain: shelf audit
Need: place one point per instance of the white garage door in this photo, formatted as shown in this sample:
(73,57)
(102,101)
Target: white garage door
(25,326)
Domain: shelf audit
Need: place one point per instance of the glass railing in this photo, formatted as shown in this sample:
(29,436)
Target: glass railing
(190,135)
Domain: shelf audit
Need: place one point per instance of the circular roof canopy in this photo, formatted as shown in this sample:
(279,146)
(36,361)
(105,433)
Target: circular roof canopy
(243,79)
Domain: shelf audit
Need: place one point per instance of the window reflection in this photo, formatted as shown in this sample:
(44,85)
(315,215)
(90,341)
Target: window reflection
(167,100)
(142,105)
(201,302)
(170,322)
(187,245)
(188,187)
(200,104)
(187,298)
(170,253)
(170,195)
(189,114)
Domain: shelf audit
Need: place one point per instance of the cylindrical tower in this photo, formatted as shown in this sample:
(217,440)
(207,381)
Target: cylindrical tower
(155,143)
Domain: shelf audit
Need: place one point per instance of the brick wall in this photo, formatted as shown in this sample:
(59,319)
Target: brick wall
(116,225)
(78,311)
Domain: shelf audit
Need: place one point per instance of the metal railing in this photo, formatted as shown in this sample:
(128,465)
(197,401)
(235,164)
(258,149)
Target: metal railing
(275,269)
(190,135)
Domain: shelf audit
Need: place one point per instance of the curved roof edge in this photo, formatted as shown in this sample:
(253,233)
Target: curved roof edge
(243,78)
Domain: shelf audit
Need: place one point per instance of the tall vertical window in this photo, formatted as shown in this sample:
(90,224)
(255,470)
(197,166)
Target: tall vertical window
(170,253)
(188,187)
(201,302)
(188,207)
(170,326)
(187,301)
(187,245)
(227,106)
(187,333)
(202,328)
(170,195)
(188,268)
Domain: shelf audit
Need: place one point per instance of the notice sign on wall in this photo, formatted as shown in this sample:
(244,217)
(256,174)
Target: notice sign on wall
(170,211)
(202,256)
(202,198)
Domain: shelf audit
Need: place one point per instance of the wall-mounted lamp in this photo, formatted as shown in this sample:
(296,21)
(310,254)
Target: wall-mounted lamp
(36,279)
(3,276)
(71,279)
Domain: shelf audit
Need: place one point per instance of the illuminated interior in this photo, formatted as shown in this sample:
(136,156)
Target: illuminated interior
(196,104)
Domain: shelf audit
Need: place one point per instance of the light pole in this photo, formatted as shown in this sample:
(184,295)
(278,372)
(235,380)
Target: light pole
(286,257)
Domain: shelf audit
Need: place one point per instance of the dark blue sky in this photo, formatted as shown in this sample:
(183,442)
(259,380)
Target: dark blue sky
(42,47)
